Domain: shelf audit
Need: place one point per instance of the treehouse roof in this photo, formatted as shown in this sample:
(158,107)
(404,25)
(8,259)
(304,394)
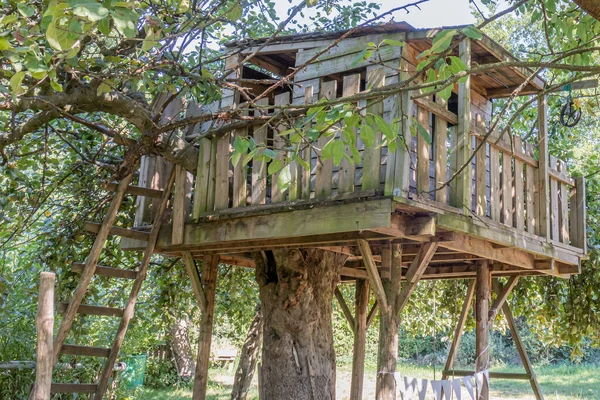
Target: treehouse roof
(282,51)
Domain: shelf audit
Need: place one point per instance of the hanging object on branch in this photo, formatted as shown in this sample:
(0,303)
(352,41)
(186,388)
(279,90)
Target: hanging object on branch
(570,114)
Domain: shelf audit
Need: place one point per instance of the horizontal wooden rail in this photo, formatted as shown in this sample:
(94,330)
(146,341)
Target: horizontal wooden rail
(561,177)
(84,350)
(94,227)
(134,190)
(107,271)
(495,375)
(74,388)
(94,310)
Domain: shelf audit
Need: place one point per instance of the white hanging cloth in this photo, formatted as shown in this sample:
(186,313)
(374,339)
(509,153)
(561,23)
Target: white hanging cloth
(468,382)
(479,377)
(410,387)
(447,390)
(456,388)
(437,389)
(422,388)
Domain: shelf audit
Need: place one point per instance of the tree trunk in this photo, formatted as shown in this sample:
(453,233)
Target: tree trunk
(296,290)
(592,7)
(182,350)
(248,359)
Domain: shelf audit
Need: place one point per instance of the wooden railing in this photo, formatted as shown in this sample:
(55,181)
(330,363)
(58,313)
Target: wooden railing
(512,183)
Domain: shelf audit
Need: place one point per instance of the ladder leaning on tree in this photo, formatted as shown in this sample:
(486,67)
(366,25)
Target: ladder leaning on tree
(91,268)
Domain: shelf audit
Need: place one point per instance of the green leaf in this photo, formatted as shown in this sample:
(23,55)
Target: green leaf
(338,151)
(442,41)
(4,44)
(367,135)
(34,64)
(472,32)
(25,10)
(275,166)
(284,179)
(15,83)
(424,133)
(90,9)
(241,144)
(362,56)
(104,87)
(392,42)
(384,127)
(104,26)
(235,12)
(328,149)
(457,65)
(125,21)
(56,86)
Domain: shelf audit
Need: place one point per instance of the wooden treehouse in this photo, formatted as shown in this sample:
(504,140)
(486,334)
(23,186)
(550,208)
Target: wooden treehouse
(512,211)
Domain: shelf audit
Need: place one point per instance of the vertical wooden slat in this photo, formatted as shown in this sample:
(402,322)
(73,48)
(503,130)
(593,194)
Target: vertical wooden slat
(324,167)
(44,324)
(564,205)
(179,205)
(578,215)
(554,217)
(402,165)
(240,175)
(259,168)
(530,188)
(423,153)
(542,203)
(519,206)
(507,189)
(495,192)
(440,138)
(453,200)
(464,180)
(278,195)
(305,172)
(372,154)
(481,175)
(222,172)
(212,175)
(347,168)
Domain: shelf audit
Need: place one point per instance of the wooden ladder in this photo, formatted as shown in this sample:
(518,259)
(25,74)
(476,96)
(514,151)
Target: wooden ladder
(90,268)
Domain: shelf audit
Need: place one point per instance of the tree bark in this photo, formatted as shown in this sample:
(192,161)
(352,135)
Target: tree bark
(248,359)
(182,350)
(296,290)
(591,7)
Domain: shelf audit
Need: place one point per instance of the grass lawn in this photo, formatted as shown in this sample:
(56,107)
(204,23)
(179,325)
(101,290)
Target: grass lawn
(565,382)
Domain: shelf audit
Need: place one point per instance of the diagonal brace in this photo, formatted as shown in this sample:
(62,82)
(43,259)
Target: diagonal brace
(414,273)
(374,277)
(502,297)
(192,271)
(340,298)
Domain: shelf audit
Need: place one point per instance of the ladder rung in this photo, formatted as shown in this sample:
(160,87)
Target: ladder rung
(73,388)
(93,310)
(135,190)
(85,350)
(115,230)
(107,271)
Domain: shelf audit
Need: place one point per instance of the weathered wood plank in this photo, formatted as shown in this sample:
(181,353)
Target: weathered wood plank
(304,175)
(201,191)
(74,388)
(85,350)
(441,152)
(542,201)
(259,168)
(222,172)
(578,216)
(423,153)
(106,271)
(346,182)
(372,154)
(277,194)
(519,216)
(463,132)
(44,326)
(480,174)
(240,175)
(324,174)
(564,206)
(179,205)
(94,227)
(554,216)
(495,192)
(92,310)
(507,190)
(133,190)
(530,192)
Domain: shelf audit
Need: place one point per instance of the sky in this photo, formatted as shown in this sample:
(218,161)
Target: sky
(434,13)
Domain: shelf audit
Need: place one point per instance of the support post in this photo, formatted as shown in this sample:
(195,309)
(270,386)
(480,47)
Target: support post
(387,357)
(463,186)
(44,323)
(482,307)
(209,279)
(360,335)
(460,326)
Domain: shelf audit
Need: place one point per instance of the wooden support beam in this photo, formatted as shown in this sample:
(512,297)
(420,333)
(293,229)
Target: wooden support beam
(345,309)
(74,388)
(493,375)
(85,350)
(360,337)
(502,297)
(482,304)
(372,313)
(44,325)
(90,266)
(179,209)
(133,190)
(414,273)
(520,348)
(460,326)
(92,310)
(374,277)
(209,278)
(192,271)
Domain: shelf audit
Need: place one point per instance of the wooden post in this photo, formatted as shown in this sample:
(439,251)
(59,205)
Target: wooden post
(464,179)
(541,188)
(482,306)
(209,279)
(578,216)
(360,335)
(44,324)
